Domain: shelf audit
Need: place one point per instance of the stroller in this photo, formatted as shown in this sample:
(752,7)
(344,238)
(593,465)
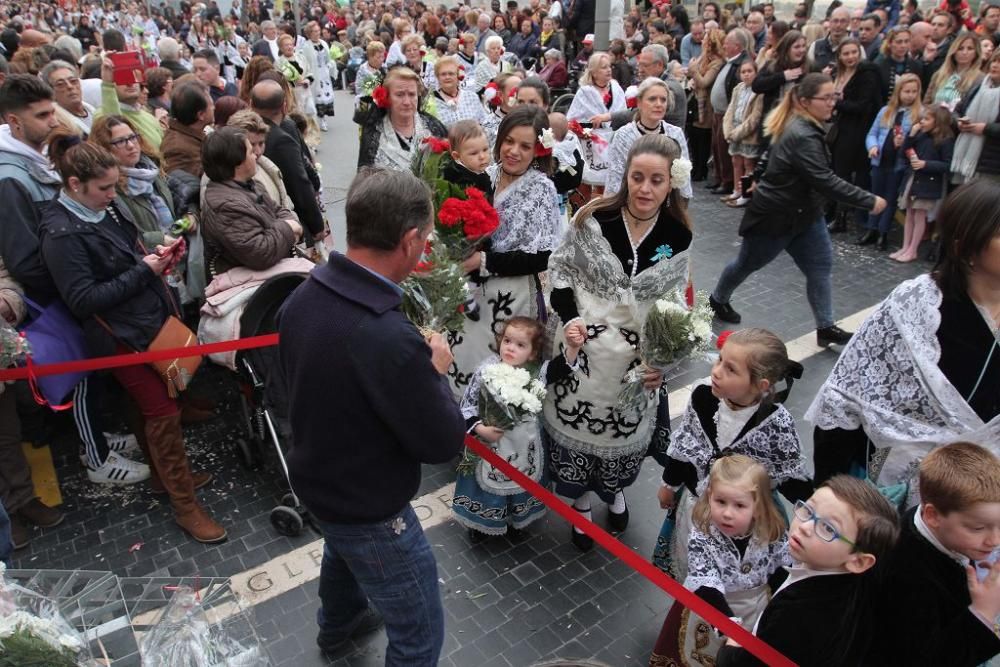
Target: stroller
(264,397)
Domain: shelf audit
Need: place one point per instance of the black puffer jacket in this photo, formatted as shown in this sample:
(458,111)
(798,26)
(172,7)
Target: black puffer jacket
(98,270)
(798,178)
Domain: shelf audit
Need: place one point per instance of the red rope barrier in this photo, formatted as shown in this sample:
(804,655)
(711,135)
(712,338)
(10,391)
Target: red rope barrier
(617,549)
(746,639)
(135,358)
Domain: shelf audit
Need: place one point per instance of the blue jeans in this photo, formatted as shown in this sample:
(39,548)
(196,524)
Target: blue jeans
(885,184)
(813,254)
(391,564)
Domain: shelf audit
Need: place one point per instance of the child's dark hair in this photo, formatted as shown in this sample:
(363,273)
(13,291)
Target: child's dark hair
(767,359)
(942,123)
(535,329)
(73,157)
(462,131)
(877,519)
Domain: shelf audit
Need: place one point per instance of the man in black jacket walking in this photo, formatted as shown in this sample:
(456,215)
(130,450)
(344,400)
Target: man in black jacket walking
(369,403)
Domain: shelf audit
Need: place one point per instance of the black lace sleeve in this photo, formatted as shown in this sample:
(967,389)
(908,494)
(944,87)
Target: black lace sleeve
(677,473)
(370,136)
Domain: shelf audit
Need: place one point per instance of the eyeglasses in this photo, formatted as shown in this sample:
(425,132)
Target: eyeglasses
(824,530)
(124,141)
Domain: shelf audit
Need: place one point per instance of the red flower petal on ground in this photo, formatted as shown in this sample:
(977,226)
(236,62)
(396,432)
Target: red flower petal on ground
(380,96)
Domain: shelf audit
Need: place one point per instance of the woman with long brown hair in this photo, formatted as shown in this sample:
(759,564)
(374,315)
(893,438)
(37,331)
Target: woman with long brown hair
(636,247)
(703,71)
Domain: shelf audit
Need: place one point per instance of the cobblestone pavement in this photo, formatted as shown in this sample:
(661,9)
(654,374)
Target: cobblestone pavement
(507,603)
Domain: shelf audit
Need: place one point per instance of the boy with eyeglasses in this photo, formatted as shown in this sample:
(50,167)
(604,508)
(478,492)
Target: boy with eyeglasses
(821,614)
(942,591)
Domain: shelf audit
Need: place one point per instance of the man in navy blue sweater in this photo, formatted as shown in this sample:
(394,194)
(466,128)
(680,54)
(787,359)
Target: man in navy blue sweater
(369,402)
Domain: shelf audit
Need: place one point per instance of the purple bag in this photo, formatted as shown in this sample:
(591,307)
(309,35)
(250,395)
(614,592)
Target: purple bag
(55,337)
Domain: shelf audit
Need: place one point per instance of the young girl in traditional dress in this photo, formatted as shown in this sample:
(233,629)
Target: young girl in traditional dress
(486,501)
(737,412)
(737,550)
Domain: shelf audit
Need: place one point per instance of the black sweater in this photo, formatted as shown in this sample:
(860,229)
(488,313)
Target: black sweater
(365,404)
(819,621)
(923,611)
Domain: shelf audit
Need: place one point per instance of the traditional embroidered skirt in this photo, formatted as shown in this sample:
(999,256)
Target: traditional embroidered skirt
(595,446)
(497,300)
(487,500)
(322,91)
(595,158)
(687,639)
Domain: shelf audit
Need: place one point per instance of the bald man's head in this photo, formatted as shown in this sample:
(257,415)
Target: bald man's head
(267,96)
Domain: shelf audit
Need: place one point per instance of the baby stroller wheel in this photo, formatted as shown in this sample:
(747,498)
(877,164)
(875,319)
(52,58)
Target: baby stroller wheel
(288,500)
(286,521)
(245,451)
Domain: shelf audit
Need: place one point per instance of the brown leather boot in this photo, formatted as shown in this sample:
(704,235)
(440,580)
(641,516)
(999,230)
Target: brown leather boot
(166,446)
(137,424)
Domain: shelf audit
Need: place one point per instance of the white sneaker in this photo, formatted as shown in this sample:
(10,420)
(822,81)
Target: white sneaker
(119,470)
(122,442)
(322,124)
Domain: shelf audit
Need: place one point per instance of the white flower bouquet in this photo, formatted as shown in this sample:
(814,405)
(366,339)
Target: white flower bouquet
(507,397)
(672,332)
(34,632)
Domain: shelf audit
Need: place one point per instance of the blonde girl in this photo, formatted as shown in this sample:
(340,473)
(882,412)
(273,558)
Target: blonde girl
(737,550)
(737,410)
(885,150)
(741,128)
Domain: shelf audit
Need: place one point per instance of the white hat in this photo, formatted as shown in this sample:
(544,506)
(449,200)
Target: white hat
(589,39)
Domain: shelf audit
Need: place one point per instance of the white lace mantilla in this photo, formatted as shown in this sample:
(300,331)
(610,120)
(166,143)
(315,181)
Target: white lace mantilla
(774,443)
(714,561)
(585,263)
(529,214)
(390,154)
(887,381)
(621,144)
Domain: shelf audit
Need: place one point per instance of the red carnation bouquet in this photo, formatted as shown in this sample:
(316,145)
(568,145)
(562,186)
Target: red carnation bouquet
(464,223)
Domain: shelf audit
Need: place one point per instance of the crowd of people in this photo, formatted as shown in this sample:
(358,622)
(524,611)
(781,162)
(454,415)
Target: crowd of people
(160,162)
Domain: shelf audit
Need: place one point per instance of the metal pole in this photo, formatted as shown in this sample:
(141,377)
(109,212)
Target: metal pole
(602,22)
(298,19)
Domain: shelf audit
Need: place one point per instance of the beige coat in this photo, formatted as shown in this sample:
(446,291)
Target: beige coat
(747,131)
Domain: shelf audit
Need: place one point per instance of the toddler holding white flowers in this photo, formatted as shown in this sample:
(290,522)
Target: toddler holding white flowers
(508,388)
(737,412)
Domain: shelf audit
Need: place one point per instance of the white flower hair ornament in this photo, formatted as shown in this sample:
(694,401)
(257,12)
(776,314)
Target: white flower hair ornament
(680,172)
(547,138)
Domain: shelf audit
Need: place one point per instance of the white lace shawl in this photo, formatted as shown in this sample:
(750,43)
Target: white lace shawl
(390,154)
(464,107)
(529,213)
(714,561)
(887,380)
(588,102)
(585,263)
(774,443)
(621,144)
